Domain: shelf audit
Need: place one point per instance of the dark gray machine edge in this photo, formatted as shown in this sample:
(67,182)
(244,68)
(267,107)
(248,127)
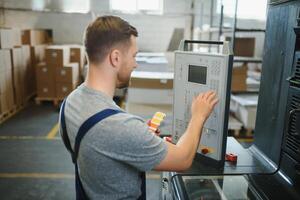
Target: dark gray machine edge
(208,160)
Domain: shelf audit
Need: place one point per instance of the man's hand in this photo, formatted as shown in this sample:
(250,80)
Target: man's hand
(157,132)
(203,105)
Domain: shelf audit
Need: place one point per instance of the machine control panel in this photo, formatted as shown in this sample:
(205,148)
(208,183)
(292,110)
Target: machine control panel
(196,73)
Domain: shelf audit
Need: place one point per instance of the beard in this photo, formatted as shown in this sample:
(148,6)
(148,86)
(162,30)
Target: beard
(123,81)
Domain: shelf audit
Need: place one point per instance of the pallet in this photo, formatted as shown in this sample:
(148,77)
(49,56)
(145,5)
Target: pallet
(16,108)
(56,101)
(5,116)
(234,125)
(29,97)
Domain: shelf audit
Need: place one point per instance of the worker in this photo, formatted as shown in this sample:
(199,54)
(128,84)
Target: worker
(118,147)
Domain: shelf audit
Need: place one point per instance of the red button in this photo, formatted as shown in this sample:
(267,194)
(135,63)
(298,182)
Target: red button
(231,157)
(204,150)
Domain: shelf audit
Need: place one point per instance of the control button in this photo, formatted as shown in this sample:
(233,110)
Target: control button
(204,151)
(231,157)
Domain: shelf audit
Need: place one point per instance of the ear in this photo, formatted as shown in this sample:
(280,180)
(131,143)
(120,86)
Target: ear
(115,58)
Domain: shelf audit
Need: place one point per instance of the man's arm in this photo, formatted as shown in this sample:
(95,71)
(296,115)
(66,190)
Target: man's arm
(180,156)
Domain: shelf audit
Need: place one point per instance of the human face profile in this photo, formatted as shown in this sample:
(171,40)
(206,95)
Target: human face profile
(128,64)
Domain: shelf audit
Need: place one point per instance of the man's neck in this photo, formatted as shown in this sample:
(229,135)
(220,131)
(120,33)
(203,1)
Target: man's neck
(98,79)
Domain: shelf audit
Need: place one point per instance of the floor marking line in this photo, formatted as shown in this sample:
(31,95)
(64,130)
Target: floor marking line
(28,137)
(53,132)
(37,175)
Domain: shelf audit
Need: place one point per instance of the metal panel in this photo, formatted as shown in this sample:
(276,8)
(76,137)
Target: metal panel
(277,63)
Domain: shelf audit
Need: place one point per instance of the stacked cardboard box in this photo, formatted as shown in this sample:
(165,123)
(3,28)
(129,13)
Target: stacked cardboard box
(17,65)
(45,81)
(36,37)
(27,71)
(66,79)
(9,38)
(57,77)
(6,82)
(77,55)
(38,40)
(37,55)
(18,75)
(23,73)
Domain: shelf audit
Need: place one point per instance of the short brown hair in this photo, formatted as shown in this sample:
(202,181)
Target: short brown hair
(105,32)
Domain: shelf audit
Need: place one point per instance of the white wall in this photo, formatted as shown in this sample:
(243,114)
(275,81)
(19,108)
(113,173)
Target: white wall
(154,31)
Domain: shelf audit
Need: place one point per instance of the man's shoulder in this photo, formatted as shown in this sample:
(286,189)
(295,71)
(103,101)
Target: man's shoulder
(77,92)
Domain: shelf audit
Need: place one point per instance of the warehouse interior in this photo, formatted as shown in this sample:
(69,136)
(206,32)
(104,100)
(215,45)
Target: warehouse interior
(254,44)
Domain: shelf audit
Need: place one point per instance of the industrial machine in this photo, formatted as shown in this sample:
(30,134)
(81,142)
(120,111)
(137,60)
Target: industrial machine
(270,168)
(195,73)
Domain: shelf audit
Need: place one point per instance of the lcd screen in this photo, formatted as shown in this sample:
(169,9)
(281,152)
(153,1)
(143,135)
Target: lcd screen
(197,74)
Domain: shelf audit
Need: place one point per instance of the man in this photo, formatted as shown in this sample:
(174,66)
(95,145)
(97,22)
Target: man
(117,149)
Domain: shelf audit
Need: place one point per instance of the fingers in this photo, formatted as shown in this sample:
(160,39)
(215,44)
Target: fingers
(209,95)
(214,101)
(157,132)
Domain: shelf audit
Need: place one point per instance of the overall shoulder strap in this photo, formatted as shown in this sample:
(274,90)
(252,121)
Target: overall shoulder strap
(89,123)
(64,134)
(84,128)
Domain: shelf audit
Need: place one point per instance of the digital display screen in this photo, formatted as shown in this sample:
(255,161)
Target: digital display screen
(197,74)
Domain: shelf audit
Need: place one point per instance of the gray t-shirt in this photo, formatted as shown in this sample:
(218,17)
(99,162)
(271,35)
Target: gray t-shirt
(114,151)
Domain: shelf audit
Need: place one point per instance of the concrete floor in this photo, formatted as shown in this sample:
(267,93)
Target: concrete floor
(33,161)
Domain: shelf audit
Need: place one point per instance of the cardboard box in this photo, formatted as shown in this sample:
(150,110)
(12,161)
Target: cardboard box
(77,55)
(239,77)
(57,56)
(151,83)
(45,74)
(27,71)
(37,54)
(18,72)
(243,46)
(10,91)
(6,81)
(18,86)
(7,59)
(147,110)
(64,89)
(2,64)
(2,82)
(150,96)
(16,57)
(34,37)
(26,56)
(17,38)
(6,38)
(46,90)
(238,84)
(4,103)
(68,74)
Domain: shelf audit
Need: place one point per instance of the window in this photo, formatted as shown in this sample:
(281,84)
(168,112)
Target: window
(254,9)
(137,6)
(79,6)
